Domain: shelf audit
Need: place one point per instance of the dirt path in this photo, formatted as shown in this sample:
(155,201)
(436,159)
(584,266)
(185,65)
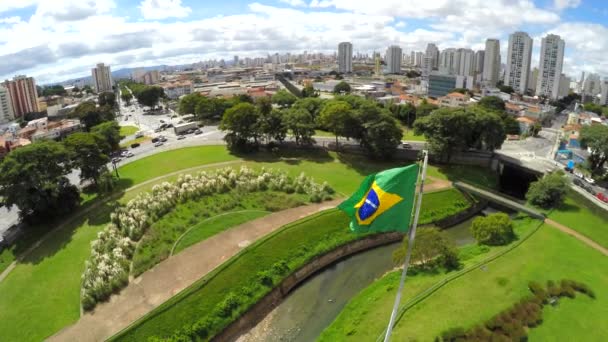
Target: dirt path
(175,274)
(578,236)
(437,184)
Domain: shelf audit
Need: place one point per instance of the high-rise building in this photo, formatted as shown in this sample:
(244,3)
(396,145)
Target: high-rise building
(393,59)
(449,62)
(345,57)
(236,60)
(440,85)
(6,108)
(419,58)
(433,53)
(519,57)
(532,78)
(23,95)
(564,86)
(604,93)
(413,58)
(491,63)
(102,78)
(550,66)
(466,59)
(478,62)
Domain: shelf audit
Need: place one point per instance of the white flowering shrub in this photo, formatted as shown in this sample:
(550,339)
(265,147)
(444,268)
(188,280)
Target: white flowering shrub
(107,270)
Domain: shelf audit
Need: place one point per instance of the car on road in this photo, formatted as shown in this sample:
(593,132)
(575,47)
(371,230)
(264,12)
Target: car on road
(589,180)
(129,155)
(583,185)
(406,146)
(602,197)
(155,139)
(139,135)
(181,137)
(116,160)
(198,131)
(135,145)
(162,121)
(158,130)
(162,139)
(158,144)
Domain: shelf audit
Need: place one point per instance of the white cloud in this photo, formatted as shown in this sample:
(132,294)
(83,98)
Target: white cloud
(9,5)
(64,40)
(162,9)
(563,4)
(294,3)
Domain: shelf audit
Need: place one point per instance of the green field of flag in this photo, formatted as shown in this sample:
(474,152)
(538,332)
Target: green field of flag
(384,201)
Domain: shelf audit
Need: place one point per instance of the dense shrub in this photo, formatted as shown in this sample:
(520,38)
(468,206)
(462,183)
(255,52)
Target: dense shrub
(493,230)
(107,270)
(549,191)
(512,324)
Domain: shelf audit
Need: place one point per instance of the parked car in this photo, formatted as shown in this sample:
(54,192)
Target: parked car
(158,144)
(406,146)
(155,140)
(602,197)
(139,135)
(162,139)
(589,180)
(162,121)
(116,160)
(198,131)
(181,137)
(135,145)
(129,155)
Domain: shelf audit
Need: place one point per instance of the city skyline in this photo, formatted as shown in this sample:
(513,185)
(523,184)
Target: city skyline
(62,41)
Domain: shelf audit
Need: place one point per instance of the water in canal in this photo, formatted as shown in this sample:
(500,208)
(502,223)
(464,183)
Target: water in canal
(310,308)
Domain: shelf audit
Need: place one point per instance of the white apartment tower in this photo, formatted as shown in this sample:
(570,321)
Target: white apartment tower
(6,108)
(550,66)
(102,78)
(491,62)
(466,67)
(393,59)
(433,52)
(345,57)
(519,57)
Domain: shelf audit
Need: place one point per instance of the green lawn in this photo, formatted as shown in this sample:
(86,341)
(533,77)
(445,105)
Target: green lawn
(51,310)
(473,298)
(216,224)
(377,299)
(298,242)
(125,131)
(158,241)
(40,296)
(408,135)
(583,216)
(320,133)
(471,174)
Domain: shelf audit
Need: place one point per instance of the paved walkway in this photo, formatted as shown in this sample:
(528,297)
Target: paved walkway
(173,275)
(578,236)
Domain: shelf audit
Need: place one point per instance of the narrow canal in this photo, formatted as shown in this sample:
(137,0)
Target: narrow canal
(310,308)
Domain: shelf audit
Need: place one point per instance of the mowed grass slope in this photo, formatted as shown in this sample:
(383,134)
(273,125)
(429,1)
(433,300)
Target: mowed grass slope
(580,214)
(52,308)
(477,296)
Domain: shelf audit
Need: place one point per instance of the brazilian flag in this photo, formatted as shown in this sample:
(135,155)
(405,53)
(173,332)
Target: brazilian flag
(384,201)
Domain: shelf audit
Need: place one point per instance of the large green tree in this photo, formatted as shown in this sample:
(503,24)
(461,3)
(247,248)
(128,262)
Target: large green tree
(494,230)
(272,125)
(312,105)
(381,137)
(425,109)
(549,191)
(405,113)
(309,91)
(447,130)
(53,90)
(187,104)
(33,179)
(107,99)
(90,115)
(431,248)
(110,131)
(492,103)
(284,98)
(126,96)
(596,138)
(87,154)
(334,117)
(150,95)
(301,124)
(487,130)
(242,124)
(342,88)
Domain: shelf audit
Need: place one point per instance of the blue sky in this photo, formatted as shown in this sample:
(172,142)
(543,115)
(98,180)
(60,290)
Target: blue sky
(60,39)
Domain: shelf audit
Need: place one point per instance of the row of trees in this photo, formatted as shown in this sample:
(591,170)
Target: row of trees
(348,116)
(146,95)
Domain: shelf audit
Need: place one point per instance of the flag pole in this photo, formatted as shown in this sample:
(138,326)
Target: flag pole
(410,246)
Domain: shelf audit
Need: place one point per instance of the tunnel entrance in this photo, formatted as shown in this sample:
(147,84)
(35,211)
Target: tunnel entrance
(515,181)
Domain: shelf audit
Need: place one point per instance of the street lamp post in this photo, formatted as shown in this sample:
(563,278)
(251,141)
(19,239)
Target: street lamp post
(115,168)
